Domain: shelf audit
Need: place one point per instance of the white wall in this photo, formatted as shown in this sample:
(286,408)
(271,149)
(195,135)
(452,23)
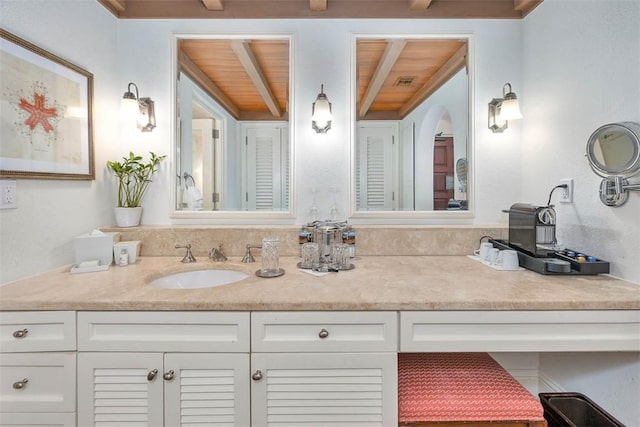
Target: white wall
(611,380)
(37,236)
(322,55)
(581,69)
(571,67)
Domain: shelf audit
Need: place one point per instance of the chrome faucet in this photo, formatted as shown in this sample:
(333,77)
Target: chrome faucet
(216,254)
(188,257)
(247,255)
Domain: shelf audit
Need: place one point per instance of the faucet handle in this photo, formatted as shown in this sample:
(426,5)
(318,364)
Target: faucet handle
(188,257)
(216,254)
(247,255)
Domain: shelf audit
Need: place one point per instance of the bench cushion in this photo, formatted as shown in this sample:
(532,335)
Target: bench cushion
(460,387)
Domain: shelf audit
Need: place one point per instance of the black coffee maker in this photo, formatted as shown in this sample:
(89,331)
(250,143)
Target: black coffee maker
(532,229)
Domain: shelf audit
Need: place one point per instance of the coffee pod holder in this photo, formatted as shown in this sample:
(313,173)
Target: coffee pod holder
(566,262)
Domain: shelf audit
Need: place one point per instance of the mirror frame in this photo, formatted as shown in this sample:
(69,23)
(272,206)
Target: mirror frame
(231,217)
(376,217)
(632,167)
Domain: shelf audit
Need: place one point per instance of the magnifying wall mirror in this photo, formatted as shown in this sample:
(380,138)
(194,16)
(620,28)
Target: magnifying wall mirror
(613,151)
(412,109)
(233,145)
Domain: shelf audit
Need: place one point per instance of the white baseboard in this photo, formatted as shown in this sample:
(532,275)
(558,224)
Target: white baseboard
(547,384)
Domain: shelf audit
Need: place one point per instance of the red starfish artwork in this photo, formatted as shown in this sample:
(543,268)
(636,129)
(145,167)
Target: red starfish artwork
(39,113)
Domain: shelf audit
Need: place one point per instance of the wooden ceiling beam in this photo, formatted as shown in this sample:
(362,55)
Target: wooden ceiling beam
(246,57)
(116,7)
(318,5)
(419,4)
(213,4)
(283,9)
(454,64)
(197,75)
(525,6)
(389,57)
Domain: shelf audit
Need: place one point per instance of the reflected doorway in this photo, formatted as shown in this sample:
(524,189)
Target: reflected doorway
(442,172)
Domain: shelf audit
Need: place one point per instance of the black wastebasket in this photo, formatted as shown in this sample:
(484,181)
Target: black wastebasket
(574,410)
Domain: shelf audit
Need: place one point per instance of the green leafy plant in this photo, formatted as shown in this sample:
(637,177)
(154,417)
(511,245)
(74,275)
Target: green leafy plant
(134,177)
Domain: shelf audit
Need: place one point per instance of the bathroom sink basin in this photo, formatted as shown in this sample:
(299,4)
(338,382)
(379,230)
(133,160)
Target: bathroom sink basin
(199,279)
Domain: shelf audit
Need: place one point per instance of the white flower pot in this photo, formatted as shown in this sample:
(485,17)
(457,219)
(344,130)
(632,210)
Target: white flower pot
(128,217)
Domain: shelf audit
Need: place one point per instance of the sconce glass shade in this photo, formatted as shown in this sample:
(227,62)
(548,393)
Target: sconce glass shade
(501,110)
(321,113)
(510,108)
(140,110)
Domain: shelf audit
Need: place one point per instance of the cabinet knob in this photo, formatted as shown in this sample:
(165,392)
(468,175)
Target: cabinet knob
(20,334)
(323,333)
(19,385)
(257,375)
(152,375)
(168,376)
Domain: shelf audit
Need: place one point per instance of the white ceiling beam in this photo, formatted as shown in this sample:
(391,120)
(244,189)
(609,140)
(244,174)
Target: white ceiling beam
(213,4)
(419,4)
(389,57)
(318,5)
(248,60)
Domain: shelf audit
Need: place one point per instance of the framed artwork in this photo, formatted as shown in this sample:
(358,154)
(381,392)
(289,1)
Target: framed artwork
(45,114)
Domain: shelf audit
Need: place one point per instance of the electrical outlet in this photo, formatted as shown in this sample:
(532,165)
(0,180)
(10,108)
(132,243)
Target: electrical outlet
(8,197)
(566,194)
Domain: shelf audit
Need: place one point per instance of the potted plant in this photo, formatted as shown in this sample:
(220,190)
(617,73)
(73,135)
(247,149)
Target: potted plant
(134,176)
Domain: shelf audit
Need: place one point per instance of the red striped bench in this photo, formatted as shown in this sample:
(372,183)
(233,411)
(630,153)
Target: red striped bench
(462,389)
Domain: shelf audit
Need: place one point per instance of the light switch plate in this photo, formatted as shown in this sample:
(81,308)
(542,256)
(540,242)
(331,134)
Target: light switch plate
(8,196)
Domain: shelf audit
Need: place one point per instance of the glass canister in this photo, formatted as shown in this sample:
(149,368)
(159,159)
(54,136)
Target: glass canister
(270,257)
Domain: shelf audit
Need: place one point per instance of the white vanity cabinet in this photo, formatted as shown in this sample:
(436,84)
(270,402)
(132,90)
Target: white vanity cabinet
(324,368)
(163,368)
(38,369)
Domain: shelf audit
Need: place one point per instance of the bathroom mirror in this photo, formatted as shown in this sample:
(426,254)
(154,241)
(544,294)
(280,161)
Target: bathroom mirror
(613,152)
(614,149)
(411,103)
(233,112)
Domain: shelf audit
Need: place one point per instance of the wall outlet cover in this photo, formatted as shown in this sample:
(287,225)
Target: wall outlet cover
(8,194)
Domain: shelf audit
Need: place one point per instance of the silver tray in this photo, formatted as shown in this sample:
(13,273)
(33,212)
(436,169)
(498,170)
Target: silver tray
(278,273)
(351,267)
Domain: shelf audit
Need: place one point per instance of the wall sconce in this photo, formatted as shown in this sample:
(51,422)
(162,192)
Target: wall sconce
(501,110)
(321,113)
(139,108)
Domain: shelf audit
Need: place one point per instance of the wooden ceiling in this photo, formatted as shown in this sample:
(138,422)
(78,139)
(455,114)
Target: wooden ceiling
(250,78)
(240,9)
(394,76)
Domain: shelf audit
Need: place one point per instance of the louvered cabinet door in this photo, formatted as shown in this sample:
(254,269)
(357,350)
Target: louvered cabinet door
(207,390)
(120,389)
(324,390)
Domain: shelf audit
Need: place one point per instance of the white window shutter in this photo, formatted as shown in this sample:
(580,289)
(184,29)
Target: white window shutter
(374,182)
(267,166)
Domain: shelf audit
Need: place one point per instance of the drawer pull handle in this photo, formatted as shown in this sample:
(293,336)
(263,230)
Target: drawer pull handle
(20,334)
(152,375)
(323,333)
(168,376)
(19,385)
(257,375)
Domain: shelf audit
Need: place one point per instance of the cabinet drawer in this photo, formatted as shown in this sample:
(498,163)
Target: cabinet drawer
(50,384)
(324,331)
(43,419)
(22,331)
(572,330)
(163,331)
